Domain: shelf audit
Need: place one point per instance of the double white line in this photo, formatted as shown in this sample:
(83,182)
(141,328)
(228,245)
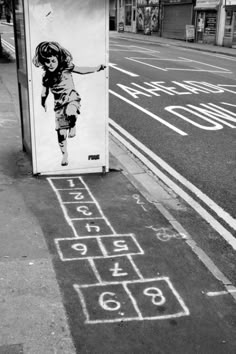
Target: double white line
(8,45)
(179,191)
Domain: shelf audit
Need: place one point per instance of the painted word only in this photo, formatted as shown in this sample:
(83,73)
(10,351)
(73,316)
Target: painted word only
(206,116)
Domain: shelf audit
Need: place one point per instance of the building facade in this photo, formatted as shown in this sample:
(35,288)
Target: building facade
(176,14)
(229,38)
(213,21)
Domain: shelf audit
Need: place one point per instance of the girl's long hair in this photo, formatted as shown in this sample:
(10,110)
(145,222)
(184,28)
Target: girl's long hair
(47,49)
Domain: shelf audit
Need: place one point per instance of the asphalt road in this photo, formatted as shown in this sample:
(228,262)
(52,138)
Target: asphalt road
(179,105)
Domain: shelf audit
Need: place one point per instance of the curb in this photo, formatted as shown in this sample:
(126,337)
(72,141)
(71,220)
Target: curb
(173,42)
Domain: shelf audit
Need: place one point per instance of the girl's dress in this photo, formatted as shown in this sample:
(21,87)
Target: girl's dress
(63,89)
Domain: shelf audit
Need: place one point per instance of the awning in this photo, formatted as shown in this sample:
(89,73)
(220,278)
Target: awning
(207,5)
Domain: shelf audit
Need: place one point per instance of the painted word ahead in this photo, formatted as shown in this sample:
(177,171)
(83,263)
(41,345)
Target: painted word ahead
(206,116)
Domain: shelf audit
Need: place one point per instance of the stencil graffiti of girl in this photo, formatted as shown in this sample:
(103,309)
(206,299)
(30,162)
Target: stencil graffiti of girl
(58,67)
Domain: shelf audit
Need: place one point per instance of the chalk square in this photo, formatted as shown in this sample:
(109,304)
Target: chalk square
(75,249)
(157,298)
(105,303)
(116,269)
(82,210)
(75,195)
(92,227)
(121,245)
(66,182)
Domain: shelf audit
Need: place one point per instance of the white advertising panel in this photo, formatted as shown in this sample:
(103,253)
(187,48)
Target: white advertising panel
(68,85)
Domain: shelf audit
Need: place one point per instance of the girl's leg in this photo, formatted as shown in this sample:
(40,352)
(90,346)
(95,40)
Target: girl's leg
(62,135)
(71,112)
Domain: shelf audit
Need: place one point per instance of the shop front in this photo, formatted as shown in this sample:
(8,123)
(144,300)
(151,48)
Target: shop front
(206,21)
(176,14)
(230,24)
(148,16)
(126,14)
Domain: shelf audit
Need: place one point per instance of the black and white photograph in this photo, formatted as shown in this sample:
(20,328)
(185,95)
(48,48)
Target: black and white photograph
(118,176)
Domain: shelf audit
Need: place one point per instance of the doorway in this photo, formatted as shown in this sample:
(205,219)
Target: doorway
(234,30)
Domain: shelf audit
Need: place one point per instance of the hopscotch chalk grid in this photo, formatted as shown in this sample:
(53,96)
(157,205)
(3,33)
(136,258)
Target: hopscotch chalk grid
(121,293)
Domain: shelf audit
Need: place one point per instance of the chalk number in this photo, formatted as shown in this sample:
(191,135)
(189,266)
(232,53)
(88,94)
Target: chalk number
(109,304)
(156,295)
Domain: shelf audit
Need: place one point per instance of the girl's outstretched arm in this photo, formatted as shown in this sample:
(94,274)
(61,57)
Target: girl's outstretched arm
(88,70)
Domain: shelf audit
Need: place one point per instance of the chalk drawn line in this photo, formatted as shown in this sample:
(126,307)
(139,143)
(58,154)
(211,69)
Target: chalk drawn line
(184,310)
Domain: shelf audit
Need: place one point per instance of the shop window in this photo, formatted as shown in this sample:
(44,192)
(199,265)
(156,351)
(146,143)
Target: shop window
(128,12)
(228,23)
(142,2)
(210,23)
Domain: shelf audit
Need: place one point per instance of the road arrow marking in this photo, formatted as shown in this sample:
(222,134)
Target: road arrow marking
(114,66)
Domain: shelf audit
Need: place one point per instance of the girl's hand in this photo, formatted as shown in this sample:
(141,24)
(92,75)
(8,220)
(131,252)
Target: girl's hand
(43,102)
(101,67)
(45,107)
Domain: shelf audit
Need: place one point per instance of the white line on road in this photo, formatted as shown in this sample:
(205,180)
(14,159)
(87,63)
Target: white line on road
(154,116)
(222,56)
(200,70)
(8,45)
(143,41)
(223,292)
(114,66)
(141,62)
(146,50)
(212,66)
(127,50)
(172,44)
(179,191)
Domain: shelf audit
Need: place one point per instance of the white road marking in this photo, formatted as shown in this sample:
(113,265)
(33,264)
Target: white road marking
(143,41)
(223,292)
(221,56)
(163,59)
(154,116)
(141,62)
(127,50)
(114,66)
(213,66)
(224,56)
(8,45)
(146,50)
(185,196)
(228,88)
(200,70)
(179,59)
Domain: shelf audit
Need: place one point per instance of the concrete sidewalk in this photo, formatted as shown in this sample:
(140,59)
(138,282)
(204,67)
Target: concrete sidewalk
(33,318)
